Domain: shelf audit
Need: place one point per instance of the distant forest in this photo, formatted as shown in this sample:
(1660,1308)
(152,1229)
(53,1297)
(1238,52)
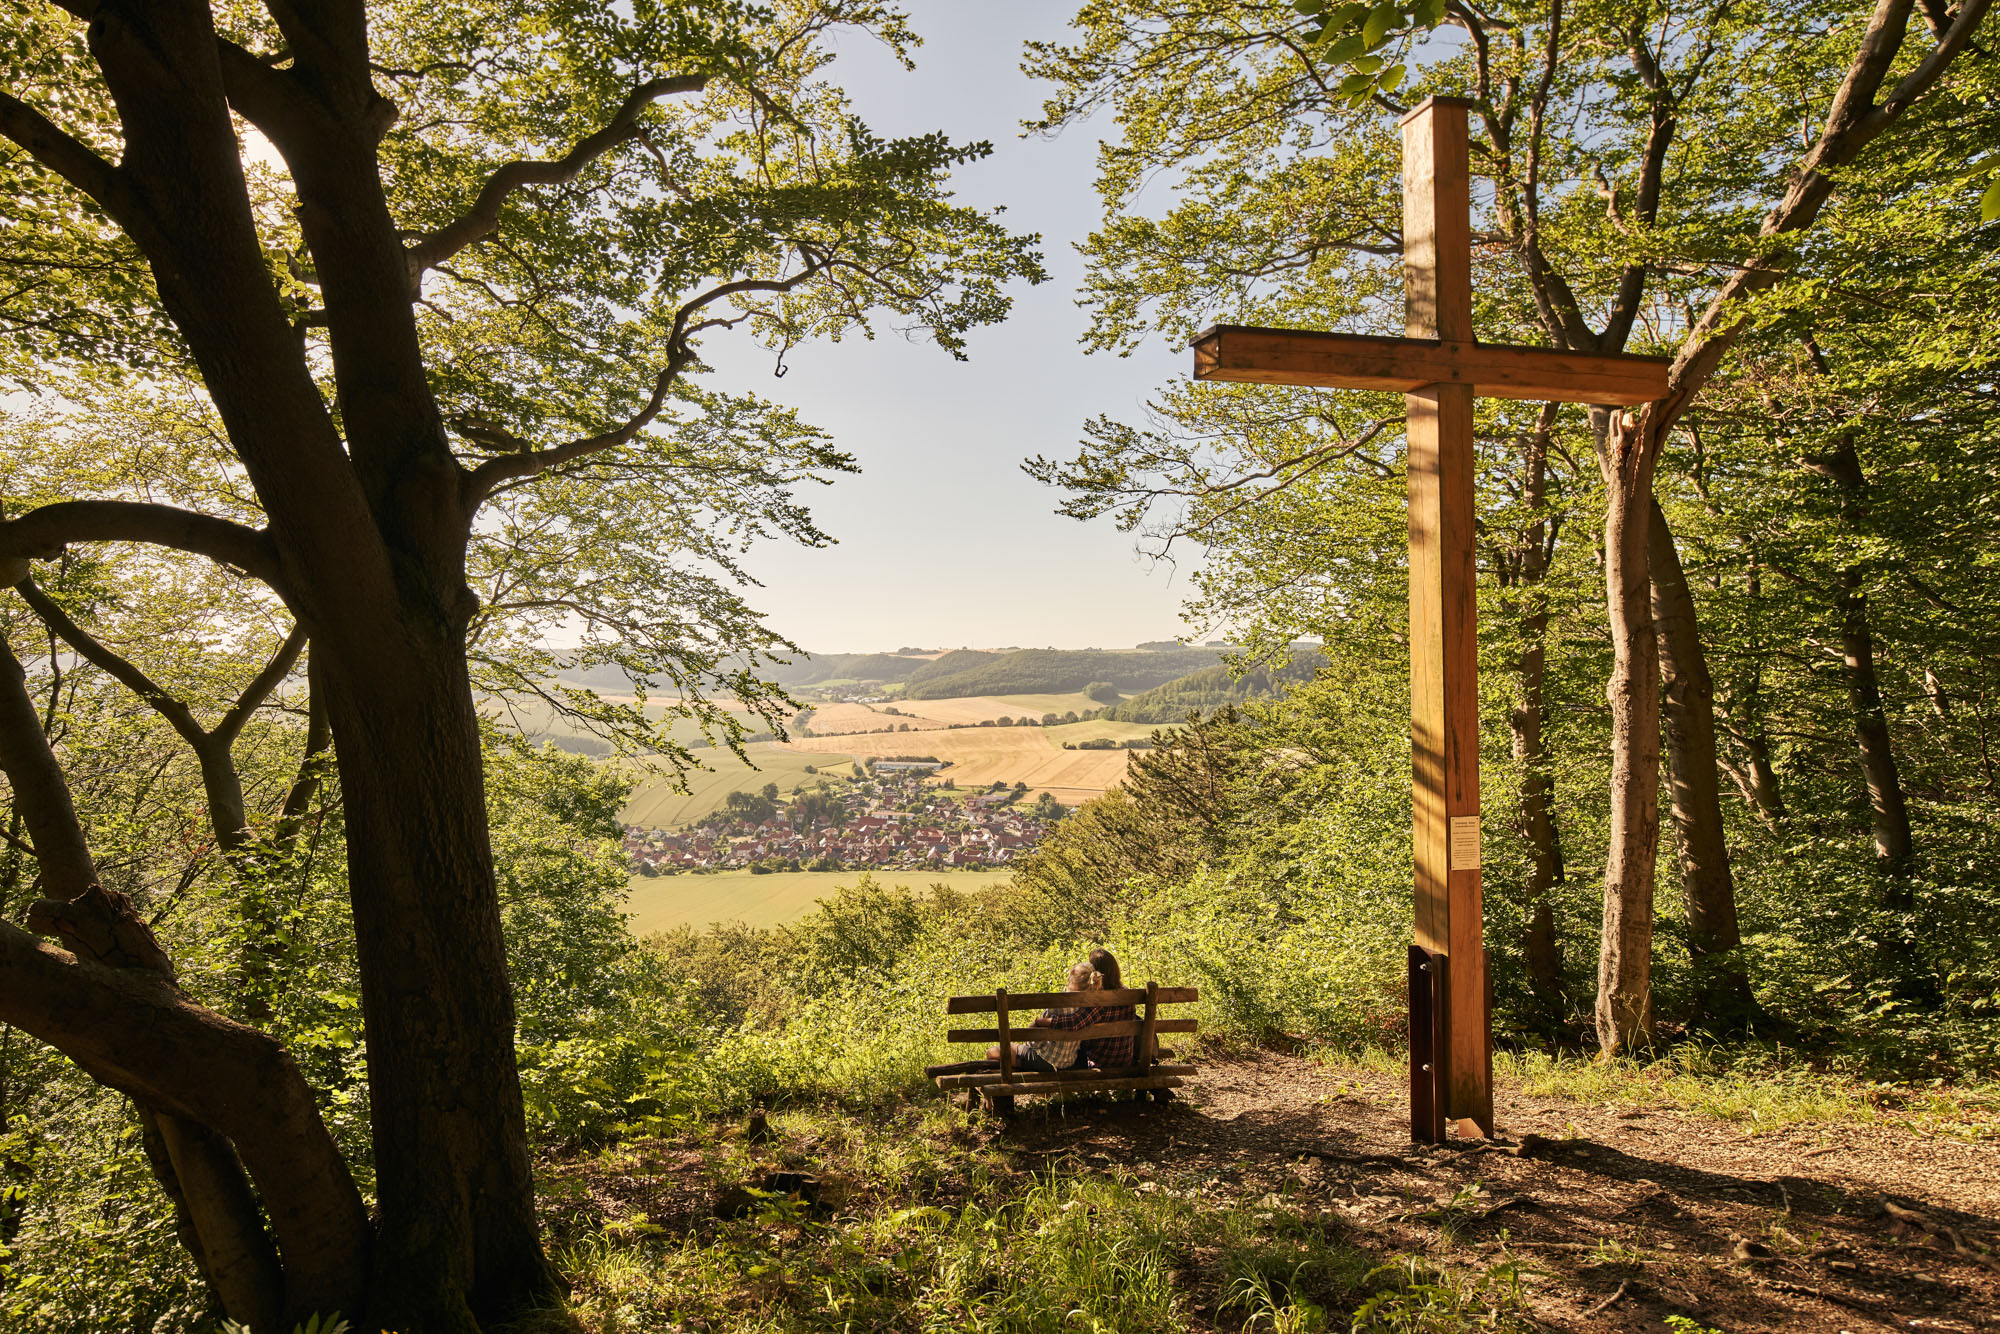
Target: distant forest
(1211,689)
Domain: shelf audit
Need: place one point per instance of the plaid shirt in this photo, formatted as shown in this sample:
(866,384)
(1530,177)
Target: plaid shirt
(1105,1053)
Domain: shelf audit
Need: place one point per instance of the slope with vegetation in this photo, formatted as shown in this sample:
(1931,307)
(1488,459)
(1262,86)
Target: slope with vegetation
(1038,671)
(1210,689)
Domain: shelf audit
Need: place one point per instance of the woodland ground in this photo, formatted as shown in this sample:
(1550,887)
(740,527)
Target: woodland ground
(1282,1193)
(660,903)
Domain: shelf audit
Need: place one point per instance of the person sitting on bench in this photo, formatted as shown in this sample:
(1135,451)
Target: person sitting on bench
(1109,1053)
(1047,1055)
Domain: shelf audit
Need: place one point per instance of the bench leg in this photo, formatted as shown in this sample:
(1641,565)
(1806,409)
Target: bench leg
(1002,1106)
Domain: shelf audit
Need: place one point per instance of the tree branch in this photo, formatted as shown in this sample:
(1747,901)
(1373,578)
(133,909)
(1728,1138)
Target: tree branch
(42,533)
(275,671)
(495,472)
(40,793)
(66,156)
(312,765)
(1853,121)
(484,215)
(100,655)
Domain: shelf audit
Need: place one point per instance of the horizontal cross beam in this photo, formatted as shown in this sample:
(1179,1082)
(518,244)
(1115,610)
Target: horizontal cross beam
(1245,355)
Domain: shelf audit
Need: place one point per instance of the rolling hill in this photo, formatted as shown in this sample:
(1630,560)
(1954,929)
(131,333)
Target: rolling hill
(1041,671)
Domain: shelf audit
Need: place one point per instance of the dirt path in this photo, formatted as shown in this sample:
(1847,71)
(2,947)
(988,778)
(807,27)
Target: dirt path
(1629,1216)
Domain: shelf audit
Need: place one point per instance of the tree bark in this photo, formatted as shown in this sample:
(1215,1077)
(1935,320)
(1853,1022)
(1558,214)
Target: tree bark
(1687,707)
(459,1242)
(1888,810)
(1624,1010)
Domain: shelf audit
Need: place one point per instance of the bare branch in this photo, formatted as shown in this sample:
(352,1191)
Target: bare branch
(42,533)
(484,215)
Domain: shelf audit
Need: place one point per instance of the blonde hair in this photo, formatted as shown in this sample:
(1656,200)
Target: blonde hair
(1082,977)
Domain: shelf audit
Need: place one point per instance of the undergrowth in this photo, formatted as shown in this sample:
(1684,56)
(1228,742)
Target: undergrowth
(922,1226)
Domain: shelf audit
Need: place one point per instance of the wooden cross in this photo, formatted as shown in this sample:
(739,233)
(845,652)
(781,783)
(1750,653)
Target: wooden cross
(1439,366)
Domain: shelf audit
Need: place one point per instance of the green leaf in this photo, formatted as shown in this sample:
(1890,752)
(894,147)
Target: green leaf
(1989,203)
(1344,50)
(1392,78)
(1382,20)
(1308,7)
(1367,64)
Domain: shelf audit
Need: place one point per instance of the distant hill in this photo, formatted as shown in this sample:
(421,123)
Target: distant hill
(813,668)
(1042,671)
(947,665)
(1210,689)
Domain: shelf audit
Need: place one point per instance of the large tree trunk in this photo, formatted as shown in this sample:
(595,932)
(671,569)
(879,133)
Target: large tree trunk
(458,1241)
(1687,708)
(367,528)
(1624,1009)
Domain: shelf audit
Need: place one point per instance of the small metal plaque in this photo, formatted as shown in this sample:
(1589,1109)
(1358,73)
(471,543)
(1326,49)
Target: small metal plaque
(1464,842)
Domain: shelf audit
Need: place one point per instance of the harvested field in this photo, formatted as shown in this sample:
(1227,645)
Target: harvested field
(982,755)
(661,903)
(834,719)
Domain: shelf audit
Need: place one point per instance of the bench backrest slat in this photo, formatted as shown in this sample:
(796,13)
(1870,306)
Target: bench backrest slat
(1130,1028)
(1055,1000)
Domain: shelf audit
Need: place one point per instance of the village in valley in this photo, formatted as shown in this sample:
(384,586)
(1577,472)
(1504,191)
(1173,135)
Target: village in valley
(888,815)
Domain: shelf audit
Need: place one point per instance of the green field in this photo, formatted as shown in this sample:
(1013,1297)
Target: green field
(656,805)
(537,720)
(660,903)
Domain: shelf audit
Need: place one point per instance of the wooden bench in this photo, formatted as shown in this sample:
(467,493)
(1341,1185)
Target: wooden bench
(1002,1086)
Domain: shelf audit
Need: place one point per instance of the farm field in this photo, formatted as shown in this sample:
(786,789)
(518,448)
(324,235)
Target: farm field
(661,903)
(982,755)
(655,804)
(835,719)
(535,719)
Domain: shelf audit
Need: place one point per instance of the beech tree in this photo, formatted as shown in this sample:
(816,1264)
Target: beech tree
(440,276)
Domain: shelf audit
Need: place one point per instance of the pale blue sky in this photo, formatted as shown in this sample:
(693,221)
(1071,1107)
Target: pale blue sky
(943,540)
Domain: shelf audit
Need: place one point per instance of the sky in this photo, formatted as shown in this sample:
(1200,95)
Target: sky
(943,541)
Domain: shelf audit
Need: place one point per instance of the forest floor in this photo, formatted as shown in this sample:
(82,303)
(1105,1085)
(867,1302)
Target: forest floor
(1277,1193)
(1626,1215)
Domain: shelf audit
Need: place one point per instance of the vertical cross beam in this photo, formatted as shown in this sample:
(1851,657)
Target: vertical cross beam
(1444,651)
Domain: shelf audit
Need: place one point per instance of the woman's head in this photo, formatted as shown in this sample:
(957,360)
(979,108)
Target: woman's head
(1107,968)
(1082,977)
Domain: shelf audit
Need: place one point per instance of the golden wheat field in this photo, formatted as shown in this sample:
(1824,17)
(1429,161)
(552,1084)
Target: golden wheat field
(835,719)
(982,755)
